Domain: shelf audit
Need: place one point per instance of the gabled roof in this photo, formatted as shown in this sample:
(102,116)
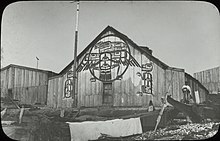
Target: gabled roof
(29,68)
(197,81)
(145,50)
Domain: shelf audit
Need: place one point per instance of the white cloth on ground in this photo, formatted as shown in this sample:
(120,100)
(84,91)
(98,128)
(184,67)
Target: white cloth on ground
(91,130)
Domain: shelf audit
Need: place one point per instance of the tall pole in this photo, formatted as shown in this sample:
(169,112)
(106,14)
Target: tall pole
(37,62)
(74,96)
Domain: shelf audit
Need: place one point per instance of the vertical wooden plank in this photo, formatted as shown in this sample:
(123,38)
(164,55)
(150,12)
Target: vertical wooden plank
(19,77)
(169,82)
(100,93)
(19,93)
(94,92)
(96,100)
(63,100)
(26,78)
(33,82)
(59,96)
(14,92)
(15,77)
(56,91)
(155,82)
(9,78)
(134,78)
(33,99)
(137,80)
(30,95)
(38,94)
(198,77)
(39,78)
(123,98)
(26,95)
(80,89)
(30,77)
(22,77)
(117,91)
(45,94)
(6,81)
(201,77)
(22,94)
(83,88)
(41,94)
(50,93)
(61,91)
(181,84)
(86,100)
(36,78)
(41,81)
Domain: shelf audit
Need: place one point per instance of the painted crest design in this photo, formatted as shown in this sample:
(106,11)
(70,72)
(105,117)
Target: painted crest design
(108,59)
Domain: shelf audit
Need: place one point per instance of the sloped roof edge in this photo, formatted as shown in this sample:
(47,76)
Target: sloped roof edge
(121,35)
(25,67)
(199,83)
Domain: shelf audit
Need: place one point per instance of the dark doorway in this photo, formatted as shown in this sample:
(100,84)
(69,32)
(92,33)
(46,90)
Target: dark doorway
(107,94)
(10,94)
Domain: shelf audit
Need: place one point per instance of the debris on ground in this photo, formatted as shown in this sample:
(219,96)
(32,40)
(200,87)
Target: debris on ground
(175,132)
(42,123)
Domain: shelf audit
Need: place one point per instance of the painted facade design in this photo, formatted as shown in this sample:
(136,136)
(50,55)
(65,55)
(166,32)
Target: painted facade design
(108,59)
(147,79)
(68,88)
(114,71)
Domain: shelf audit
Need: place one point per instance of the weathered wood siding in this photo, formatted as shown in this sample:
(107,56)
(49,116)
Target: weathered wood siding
(90,94)
(175,79)
(128,91)
(27,85)
(210,79)
(56,93)
(195,85)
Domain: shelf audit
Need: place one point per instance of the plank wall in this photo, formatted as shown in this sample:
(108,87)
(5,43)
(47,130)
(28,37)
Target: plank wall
(210,79)
(27,85)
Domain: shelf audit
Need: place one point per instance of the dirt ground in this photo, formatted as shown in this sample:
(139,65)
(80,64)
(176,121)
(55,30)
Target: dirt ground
(46,125)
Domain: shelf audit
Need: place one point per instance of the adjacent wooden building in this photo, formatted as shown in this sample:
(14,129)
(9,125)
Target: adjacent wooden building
(114,71)
(25,84)
(210,78)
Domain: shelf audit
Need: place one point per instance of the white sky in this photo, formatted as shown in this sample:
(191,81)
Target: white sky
(181,34)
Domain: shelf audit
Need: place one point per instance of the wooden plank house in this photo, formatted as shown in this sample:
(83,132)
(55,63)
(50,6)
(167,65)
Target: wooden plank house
(114,71)
(210,78)
(25,84)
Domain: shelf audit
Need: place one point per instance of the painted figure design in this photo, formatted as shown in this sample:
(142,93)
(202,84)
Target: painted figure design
(108,60)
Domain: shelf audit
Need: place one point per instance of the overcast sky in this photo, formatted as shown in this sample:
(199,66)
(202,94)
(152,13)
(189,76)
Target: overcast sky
(181,34)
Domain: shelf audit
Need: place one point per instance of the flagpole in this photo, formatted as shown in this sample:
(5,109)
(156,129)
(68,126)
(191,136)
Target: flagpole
(37,61)
(74,96)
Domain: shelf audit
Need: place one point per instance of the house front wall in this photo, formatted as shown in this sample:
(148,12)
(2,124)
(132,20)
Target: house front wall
(133,84)
(113,71)
(26,85)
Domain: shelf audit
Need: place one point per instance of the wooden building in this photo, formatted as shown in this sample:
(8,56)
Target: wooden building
(196,87)
(210,78)
(25,84)
(114,71)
